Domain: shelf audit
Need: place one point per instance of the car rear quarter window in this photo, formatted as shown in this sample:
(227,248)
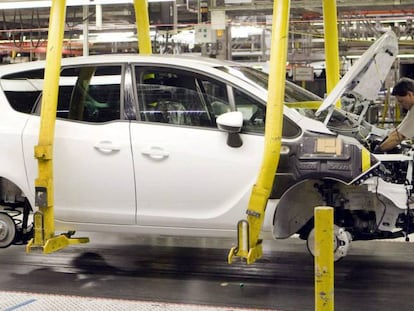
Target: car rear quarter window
(23,89)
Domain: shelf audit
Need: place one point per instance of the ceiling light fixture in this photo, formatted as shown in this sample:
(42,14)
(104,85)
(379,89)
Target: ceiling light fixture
(5,5)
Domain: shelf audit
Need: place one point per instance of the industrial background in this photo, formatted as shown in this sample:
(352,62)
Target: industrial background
(192,273)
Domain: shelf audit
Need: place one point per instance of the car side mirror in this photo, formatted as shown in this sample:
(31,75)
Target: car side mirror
(232,123)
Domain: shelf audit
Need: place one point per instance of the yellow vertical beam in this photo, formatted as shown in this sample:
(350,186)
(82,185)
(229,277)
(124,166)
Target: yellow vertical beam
(249,233)
(143,30)
(324,259)
(44,149)
(44,222)
(397,114)
(331,45)
(385,107)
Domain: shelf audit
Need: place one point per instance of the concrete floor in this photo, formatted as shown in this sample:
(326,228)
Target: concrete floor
(194,272)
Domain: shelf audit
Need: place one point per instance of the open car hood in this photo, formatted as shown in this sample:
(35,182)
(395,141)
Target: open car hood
(366,77)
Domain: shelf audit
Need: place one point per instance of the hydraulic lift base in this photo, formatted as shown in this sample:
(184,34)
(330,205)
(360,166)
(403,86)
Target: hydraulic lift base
(54,244)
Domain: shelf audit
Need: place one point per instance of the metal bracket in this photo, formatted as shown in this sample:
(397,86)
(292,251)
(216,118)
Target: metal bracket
(41,197)
(55,243)
(243,248)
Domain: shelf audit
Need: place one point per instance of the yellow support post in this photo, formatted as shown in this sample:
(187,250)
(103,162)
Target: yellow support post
(249,231)
(397,114)
(324,259)
(331,45)
(143,31)
(385,108)
(44,227)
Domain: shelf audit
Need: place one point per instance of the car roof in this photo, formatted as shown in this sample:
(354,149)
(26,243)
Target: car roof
(188,60)
(157,58)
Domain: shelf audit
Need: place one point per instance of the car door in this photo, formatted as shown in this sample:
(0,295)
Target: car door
(93,172)
(186,174)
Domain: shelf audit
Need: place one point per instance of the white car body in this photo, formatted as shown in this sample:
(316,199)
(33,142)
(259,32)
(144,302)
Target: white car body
(136,176)
(147,157)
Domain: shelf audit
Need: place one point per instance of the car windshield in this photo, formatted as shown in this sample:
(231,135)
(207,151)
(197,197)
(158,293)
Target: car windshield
(340,122)
(293,92)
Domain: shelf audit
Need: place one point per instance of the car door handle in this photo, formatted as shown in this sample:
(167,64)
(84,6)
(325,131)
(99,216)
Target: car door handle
(106,146)
(154,152)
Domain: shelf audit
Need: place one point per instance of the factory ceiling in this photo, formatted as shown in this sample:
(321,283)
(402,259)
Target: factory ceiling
(358,21)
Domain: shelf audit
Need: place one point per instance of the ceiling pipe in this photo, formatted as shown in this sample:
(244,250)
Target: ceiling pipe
(98,17)
(85,30)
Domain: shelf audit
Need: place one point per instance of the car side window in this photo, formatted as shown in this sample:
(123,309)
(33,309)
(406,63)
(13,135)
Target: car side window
(254,116)
(90,94)
(253,112)
(174,97)
(22,89)
(216,96)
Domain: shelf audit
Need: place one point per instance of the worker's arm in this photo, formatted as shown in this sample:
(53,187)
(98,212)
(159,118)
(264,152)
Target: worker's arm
(392,141)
